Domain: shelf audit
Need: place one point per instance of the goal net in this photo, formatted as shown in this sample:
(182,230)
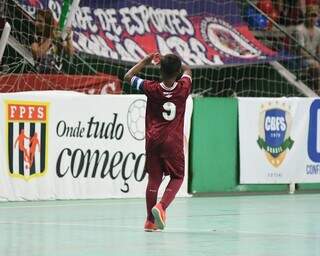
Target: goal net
(231,46)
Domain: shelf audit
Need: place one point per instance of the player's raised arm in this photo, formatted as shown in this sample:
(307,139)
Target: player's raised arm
(138,67)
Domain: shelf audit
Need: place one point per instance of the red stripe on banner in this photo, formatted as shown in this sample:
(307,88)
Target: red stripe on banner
(98,84)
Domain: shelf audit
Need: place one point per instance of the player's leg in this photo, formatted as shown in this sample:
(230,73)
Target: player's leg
(175,167)
(153,167)
(154,181)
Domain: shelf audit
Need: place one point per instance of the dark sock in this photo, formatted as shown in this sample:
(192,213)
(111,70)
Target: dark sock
(154,181)
(171,191)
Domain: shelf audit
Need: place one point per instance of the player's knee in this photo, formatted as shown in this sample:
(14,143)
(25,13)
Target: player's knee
(177,176)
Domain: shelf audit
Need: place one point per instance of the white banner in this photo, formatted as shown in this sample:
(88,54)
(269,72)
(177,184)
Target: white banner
(60,145)
(279,140)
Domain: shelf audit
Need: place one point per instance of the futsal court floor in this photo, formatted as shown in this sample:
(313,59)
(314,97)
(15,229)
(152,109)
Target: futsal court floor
(263,225)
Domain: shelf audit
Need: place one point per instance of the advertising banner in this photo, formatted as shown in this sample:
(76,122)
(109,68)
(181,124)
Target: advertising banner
(202,32)
(279,140)
(67,145)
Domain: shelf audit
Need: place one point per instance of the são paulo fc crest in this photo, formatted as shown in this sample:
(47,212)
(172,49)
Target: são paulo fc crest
(274,131)
(27,138)
(229,42)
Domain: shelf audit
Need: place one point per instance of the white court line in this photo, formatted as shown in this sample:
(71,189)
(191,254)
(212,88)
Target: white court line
(167,230)
(104,202)
(241,232)
(75,224)
(67,205)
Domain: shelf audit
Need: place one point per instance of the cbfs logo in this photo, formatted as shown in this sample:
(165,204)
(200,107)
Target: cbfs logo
(274,131)
(27,138)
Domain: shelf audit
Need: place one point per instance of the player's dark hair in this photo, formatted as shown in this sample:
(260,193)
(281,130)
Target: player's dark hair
(170,66)
(49,21)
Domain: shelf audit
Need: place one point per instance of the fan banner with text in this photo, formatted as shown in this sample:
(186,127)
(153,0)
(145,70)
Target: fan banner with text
(279,140)
(202,32)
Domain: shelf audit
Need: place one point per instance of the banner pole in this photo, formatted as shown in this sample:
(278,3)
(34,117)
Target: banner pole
(64,12)
(72,11)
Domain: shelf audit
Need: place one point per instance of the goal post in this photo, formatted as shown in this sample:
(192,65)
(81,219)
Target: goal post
(4,38)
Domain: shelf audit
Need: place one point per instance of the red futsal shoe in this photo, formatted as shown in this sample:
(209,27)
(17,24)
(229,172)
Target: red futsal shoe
(159,216)
(149,226)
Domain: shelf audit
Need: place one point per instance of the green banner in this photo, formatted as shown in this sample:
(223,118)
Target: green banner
(275,150)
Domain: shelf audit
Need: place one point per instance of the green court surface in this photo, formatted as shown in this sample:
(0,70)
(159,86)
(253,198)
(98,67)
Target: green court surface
(264,225)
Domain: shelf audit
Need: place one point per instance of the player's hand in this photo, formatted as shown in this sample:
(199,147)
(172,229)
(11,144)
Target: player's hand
(147,60)
(156,59)
(153,58)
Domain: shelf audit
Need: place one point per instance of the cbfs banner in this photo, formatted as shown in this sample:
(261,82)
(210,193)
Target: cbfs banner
(67,145)
(279,140)
(202,32)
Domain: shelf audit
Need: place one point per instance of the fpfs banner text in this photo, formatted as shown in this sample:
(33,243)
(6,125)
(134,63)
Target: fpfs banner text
(74,146)
(279,140)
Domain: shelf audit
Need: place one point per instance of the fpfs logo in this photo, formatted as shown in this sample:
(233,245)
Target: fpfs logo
(27,138)
(274,131)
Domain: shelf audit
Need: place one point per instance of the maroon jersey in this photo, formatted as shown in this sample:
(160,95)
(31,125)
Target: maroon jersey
(165,115)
